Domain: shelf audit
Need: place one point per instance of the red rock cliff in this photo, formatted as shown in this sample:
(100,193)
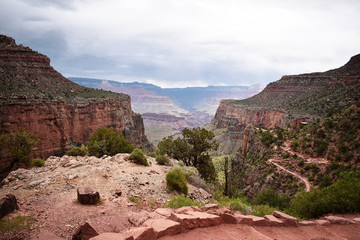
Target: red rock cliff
(35,97)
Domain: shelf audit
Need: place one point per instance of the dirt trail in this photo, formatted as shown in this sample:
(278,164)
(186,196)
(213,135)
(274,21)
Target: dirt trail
(305,180)
(306,157)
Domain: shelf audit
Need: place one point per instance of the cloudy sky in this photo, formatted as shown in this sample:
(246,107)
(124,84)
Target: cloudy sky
(178,43)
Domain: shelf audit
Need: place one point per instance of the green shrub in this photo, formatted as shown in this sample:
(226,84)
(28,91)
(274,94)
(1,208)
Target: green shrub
(176,180)
(294,144)
(271,197)
(137,156)
(237,204)
(106,141)
(17,224)
(77,151)
(151,154)
(267,138)
(162,160)
(262,210)
(181,201)
(38,162)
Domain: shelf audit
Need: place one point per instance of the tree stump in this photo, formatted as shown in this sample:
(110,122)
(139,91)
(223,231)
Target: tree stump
(87,196)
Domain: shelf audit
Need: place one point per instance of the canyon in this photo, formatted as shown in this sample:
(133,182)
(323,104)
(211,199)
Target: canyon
(290,100)
(35,97)
(166,111)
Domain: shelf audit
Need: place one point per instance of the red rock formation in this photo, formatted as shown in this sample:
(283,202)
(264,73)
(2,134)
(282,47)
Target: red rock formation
(35,97)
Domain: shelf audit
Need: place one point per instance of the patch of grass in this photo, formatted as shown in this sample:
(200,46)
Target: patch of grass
(181,201)
(16,224)
(134,199)
(262,210)
(37,162)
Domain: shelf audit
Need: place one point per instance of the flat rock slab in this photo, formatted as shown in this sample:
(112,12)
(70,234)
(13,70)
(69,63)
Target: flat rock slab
(206,219)
(289,221)
(306,223)
(187,222)
(209,206)
(322,222)
(87,196)
(250,220)
(140,233)
(356,220)
(228,218)
(166,212)
(339,220)
(8,204)
(273,221)
(163,227)
(186,209)
(112,236)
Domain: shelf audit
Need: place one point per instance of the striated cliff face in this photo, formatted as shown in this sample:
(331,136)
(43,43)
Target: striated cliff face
(291,99)
(35,97)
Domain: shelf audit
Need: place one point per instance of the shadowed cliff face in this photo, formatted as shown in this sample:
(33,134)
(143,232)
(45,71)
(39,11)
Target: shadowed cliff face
(292,99)
(35,97)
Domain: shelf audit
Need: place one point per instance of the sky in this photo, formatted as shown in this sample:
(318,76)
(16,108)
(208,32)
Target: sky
(182,43)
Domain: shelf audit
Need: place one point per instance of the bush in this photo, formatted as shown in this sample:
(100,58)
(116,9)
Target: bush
(294,144)
(162,160)
(181,201)
(206,168)
(176,180)
(137,156)
(262,210)
(19,145)
(77,151)
(237,204)
(151,154)
(271,197)
(106,141)
(267,138)
(38,162)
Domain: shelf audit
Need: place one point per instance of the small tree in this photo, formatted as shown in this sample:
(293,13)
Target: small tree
(106,141)
(19,145)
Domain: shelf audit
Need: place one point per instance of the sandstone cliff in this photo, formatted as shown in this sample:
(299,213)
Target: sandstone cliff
(35,97)
(291,99)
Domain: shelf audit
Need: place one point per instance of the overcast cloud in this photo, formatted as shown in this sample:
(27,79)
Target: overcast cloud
(178,43)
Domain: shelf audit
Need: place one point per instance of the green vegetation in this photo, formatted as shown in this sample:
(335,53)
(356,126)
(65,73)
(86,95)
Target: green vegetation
(77,151)
(235,204)
(181,201)
(106,141)
(262,210)
(272,198)
(38,162)
(193,149)
(138,157)
(176,180)
(267,138)
(162,160)
(16,224)
(19,145)
(340,197)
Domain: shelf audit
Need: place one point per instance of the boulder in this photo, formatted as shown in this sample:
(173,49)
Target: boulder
(139,233)
(118,192)
(356,220)
(289,221)
(163,227)
(112,236)
(84,232)
(186,209)
(306,223)
(228,218)
(137,219)
(166,212)
(339,220)
(87,196)
(8,204)
(186,221)
(206,219)
(209,206)
(273,221)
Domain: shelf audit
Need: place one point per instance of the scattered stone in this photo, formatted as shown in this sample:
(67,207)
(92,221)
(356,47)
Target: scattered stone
(322,222)
(112,236)
(8,204)
(137,219)
(163,227)
(46,235)
(339,220)
(166,212)
(206,219)
(209,206)
(288,220)
(187,221)
(140,233)
(118,192)
(306,223)
(87,196)
(273,221)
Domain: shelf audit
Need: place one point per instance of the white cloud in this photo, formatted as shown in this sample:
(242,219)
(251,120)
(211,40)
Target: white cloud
(203,42)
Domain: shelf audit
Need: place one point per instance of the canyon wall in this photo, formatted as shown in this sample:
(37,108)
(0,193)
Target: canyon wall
(35,97)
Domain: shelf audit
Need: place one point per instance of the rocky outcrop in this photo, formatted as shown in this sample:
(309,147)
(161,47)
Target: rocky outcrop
(35,97)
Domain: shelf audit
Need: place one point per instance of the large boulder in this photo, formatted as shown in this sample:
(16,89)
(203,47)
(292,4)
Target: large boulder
(289,221)
(87,196)
(206,219)
(163,227)
(8,204)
